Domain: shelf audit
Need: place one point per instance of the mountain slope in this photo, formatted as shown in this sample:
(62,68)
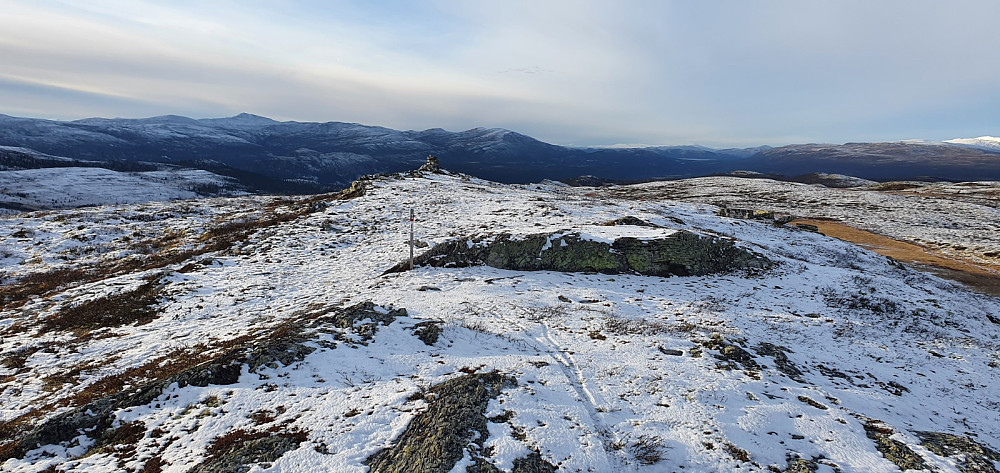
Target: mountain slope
(332,154)
(988,143)
(30,180)
(335,153)
(880,161)
(263,333)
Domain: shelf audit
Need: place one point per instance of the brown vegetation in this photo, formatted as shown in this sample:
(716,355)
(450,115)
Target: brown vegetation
(985,278)
(171,248)
(125,308)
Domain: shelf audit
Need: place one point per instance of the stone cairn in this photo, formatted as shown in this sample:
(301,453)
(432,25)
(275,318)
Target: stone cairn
(431,165)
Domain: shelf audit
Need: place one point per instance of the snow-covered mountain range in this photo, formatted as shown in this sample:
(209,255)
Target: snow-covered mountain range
(988,143)
(263,333)
(273,156)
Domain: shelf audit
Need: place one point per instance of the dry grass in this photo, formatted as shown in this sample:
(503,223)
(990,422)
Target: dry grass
(895,186)
(171,248)
(980,276)
(144,376)
(737,453)
(137,306)
(20,291)
(122,440)
(125,308)
(157,369)
(232,439)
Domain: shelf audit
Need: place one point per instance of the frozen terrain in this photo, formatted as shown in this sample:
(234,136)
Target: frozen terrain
(262,332)
(988,143)
(69,187)
(957,219)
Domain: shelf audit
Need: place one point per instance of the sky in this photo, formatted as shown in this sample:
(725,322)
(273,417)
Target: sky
(573,72)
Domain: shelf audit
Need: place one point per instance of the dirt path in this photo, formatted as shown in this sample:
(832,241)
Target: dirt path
(985,278)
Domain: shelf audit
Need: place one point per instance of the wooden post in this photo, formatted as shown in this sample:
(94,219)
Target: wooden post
(411,238)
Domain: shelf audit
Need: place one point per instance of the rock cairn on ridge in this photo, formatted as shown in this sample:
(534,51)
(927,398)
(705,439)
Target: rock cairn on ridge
(432,164)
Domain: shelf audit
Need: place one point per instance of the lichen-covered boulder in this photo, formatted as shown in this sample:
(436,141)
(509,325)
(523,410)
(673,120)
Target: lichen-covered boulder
(680,253)
(553,252)
(686,254)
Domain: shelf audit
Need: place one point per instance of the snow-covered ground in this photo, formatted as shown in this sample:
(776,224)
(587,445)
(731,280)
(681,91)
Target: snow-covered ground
(956,219)
(54,188)
(613,373)
(988,143)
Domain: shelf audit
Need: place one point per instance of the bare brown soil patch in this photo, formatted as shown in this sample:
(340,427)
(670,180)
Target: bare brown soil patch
(985,278)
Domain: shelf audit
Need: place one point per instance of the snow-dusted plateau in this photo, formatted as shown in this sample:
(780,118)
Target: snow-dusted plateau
(634,329)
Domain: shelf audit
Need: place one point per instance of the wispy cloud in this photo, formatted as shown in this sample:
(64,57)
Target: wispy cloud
(580,72)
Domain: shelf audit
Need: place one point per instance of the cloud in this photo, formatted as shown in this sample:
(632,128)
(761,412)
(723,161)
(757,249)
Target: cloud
(580,72)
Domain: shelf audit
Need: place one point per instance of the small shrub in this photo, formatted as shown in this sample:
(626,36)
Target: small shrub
(36,284)
(263,416)
(647,449)
(622,326)
(153,465)
(737,453)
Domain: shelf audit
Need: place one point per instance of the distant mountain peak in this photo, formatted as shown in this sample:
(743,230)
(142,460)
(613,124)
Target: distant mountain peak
(987,143)
(243,119)
(250,116)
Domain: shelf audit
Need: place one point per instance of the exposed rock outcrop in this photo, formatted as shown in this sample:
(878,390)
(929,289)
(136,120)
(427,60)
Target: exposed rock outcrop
(436,439)
(972,456)
(893,450)
(239,450)
(754,214)
(629,220)
(682,253)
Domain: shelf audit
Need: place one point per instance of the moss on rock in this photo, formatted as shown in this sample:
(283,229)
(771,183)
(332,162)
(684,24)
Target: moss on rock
(362,319)
(781,361)
(428,332)
(682,254)
(801,465)
(893,450)
(436,439)
(239,450)
(533,463)
(569,253)
(731,355)
(685,253)
(629,220)
(973,456)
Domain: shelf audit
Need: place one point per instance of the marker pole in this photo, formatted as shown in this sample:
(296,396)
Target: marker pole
(411,238)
